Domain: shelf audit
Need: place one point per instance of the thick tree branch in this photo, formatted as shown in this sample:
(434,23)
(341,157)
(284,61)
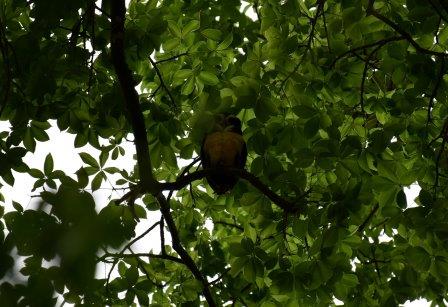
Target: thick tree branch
(183,254)
(185,180)
(7,68)
(276,199)
(131,97)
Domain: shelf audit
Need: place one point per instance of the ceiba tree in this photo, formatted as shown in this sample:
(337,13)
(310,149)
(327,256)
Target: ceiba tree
(343,103)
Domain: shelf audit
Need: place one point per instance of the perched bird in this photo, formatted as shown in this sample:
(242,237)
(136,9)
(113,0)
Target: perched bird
(224,148)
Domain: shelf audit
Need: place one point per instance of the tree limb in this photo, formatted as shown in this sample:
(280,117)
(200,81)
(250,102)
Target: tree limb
(364,73)
(276,199)
(127,246)
(7,67)
(313,22)
(183,254)
(170,58)
(368,218)
(363,47)
(399,30)
(159,74)
(435,89)
(131,97)
(138,255)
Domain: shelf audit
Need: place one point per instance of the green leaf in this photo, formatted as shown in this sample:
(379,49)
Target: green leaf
(88,159)
(182,74)
(83,177)
(208,78)
(188,86)
(311,127)
(174,27)
(131,275)
(191,26)
(226,42)
(48,164)
(213,34)
(350,280)
(17,206)
(97,180)
(36,173)
(418,258)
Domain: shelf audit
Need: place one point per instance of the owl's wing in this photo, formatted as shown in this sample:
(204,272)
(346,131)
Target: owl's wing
(241,157)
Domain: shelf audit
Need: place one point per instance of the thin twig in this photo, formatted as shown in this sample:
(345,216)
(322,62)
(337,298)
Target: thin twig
(406,35)
(364,73)
(123,249)
(438,11)
(313,21)
(366,46)
(138,255)
(439,156)
(229,224)
(368,218)
(159,74)
(170,58)
(219,277)
(102,11)
(435,89)
(326,31)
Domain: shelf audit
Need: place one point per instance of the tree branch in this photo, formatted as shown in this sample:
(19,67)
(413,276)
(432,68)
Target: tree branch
(170,58)
(7,67)
(435,89)
(131,97)
(438,11)
(229,224)
(313,21)
(364,73)
(368,218)
(183,254)
(354,50)
(159,74)
(138,255)
(276,199)
(439,156)
(127,246)
(398,29)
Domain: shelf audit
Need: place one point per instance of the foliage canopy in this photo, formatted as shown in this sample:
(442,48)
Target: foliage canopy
(343,104)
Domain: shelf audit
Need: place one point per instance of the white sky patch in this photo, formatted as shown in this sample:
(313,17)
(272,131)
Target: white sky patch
(248,9)
(384,238)
(417,303)
(411,193)
(337,302)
